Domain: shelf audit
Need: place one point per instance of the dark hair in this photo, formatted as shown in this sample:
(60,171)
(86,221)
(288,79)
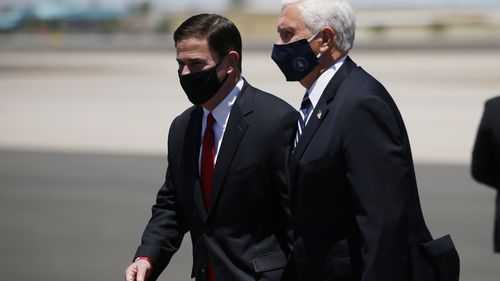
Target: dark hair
(221,34)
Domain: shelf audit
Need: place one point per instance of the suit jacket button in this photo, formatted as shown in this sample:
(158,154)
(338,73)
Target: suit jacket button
(203,270)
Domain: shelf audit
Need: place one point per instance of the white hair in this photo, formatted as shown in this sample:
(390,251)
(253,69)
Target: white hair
(336,14)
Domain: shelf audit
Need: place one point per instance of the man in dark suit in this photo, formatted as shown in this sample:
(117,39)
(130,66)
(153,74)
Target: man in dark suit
(226,178)
(486,156)
(355,207)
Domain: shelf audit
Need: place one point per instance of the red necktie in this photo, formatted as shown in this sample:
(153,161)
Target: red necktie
(207,160)
(207,170)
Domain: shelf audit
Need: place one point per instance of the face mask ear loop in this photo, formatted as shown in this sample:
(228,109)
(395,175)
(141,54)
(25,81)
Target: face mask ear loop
(217,65)
(315,35)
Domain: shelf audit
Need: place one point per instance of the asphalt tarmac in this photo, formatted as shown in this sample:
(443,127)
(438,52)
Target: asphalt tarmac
(71,216)
(124,102)
(82,139)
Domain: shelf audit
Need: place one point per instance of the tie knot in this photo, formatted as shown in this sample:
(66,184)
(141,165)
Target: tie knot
(210,120)
(306,102)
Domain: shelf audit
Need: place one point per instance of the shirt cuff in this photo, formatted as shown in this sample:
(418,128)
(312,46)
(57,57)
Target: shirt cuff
(145,259)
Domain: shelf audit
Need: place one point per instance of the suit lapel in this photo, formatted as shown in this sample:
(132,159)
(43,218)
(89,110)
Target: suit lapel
(191,156)
(317,116)
(320,112)
(235,129)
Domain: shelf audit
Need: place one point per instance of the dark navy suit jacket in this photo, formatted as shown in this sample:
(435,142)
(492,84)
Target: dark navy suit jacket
(355,206)
(244,232)
(486,156)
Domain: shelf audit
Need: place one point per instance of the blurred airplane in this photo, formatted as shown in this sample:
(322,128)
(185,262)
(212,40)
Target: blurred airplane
(12,16)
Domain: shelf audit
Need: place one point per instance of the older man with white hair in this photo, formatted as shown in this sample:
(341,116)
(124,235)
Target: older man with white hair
(355,205)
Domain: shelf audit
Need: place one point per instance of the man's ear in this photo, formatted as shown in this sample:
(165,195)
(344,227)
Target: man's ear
(233,58)
(327,36)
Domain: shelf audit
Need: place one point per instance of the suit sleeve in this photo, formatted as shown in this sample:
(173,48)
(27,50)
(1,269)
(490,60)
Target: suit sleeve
(484,165)
(165,230)
(379,176)
(279,144)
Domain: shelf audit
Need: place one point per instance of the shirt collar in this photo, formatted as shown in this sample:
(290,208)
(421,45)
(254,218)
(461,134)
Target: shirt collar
(318,87)
(221,112)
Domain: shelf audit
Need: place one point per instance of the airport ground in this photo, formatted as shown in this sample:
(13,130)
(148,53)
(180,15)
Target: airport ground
(82,151)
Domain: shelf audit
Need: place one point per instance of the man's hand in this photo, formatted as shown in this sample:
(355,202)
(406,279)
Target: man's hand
(138,271)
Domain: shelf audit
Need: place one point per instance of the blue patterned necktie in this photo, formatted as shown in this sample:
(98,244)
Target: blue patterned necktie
(305,108)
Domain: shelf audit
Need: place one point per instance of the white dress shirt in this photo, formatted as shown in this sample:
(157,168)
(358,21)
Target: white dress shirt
(221,115)
(318,87)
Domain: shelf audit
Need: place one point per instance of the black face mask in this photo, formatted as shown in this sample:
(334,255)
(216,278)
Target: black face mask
(295,59)
(201,86)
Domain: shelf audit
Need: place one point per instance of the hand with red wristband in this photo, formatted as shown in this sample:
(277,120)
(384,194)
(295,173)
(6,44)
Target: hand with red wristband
(139,270)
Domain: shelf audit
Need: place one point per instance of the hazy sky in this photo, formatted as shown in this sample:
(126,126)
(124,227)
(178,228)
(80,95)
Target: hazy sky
(272,5)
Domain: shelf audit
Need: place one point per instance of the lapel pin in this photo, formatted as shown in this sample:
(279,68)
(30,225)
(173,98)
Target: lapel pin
(319,114)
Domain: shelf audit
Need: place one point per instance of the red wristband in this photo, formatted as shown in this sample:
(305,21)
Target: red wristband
(146,259)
